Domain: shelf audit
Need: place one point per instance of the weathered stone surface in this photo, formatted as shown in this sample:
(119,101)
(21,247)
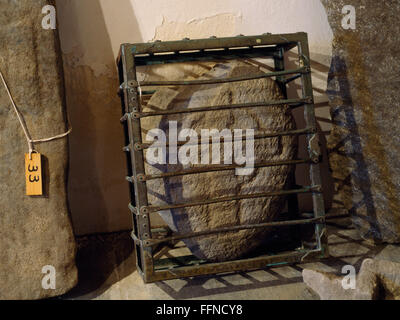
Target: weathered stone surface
(388,274)
(34,231)
(377,279)
(217,184)
(326,285)
(364,93)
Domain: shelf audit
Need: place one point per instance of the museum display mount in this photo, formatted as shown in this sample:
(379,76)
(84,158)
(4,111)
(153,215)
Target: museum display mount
(149,241)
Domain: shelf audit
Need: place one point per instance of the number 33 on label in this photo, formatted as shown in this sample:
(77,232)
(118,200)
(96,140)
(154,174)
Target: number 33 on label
(33,174)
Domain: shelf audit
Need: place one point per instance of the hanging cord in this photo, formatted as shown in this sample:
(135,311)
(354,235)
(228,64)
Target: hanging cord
(23,124)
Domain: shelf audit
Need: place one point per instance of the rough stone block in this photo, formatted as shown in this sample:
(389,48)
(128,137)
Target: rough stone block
(364,91)
(34,231)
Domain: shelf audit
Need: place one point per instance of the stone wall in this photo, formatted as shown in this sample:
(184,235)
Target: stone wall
(34,231)
(364,94)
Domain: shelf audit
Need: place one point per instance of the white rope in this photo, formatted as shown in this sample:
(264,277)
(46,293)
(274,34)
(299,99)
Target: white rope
(23,124)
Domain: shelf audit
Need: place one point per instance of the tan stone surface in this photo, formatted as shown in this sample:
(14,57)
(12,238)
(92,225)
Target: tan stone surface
(326,285)
(363,89)
(217,184)
(377,279)
(34,231)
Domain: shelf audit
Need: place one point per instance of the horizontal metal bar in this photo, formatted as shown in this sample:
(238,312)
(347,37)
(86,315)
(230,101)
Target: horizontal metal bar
(143,146)
(294,106)
(248,264)
(219,168)
(148,93)
(225,80)
(202,55)
(215,43)
(149,209)
(271,103)
(306,219)
(152,242)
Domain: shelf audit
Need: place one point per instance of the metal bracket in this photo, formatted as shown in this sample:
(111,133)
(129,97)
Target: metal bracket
(128,85)
(145,210)
(125,117)
(142,243)
(138,146)
(133,209)
(309,100)
(130,179)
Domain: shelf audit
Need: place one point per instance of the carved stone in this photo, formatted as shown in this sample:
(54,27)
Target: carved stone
(204,186)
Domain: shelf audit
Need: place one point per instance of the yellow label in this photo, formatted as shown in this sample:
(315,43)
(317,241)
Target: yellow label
(33,175)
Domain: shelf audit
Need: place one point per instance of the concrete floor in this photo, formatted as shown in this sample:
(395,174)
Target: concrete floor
(107,271)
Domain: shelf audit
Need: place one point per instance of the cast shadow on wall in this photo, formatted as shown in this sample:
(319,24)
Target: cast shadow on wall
(98,194)
(344,119)
(302,174)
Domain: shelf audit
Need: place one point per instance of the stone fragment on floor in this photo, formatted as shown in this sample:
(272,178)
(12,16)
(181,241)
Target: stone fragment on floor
(377,280)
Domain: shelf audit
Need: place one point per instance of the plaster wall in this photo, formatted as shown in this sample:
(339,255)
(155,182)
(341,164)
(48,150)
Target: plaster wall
(91,32)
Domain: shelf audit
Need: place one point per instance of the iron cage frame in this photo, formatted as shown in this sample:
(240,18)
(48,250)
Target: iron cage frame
(266,45)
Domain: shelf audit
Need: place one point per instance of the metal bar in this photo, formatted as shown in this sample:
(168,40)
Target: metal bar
(271,103)
(225,80)
(143,146)
(152,242)
(134,131)
(149,209)
(217,43)
(313,145)
(279,63)
(122,73)
(219,168)
(292,200)
(201,55)
(249,264)
(288,80)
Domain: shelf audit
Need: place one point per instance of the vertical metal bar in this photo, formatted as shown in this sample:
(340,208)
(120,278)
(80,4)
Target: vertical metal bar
(279,62)
(313,145)
(292,199)
(121,72)
(134,130)
(122,78)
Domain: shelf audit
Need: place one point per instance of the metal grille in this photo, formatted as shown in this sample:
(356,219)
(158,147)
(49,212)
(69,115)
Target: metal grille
(263,46)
